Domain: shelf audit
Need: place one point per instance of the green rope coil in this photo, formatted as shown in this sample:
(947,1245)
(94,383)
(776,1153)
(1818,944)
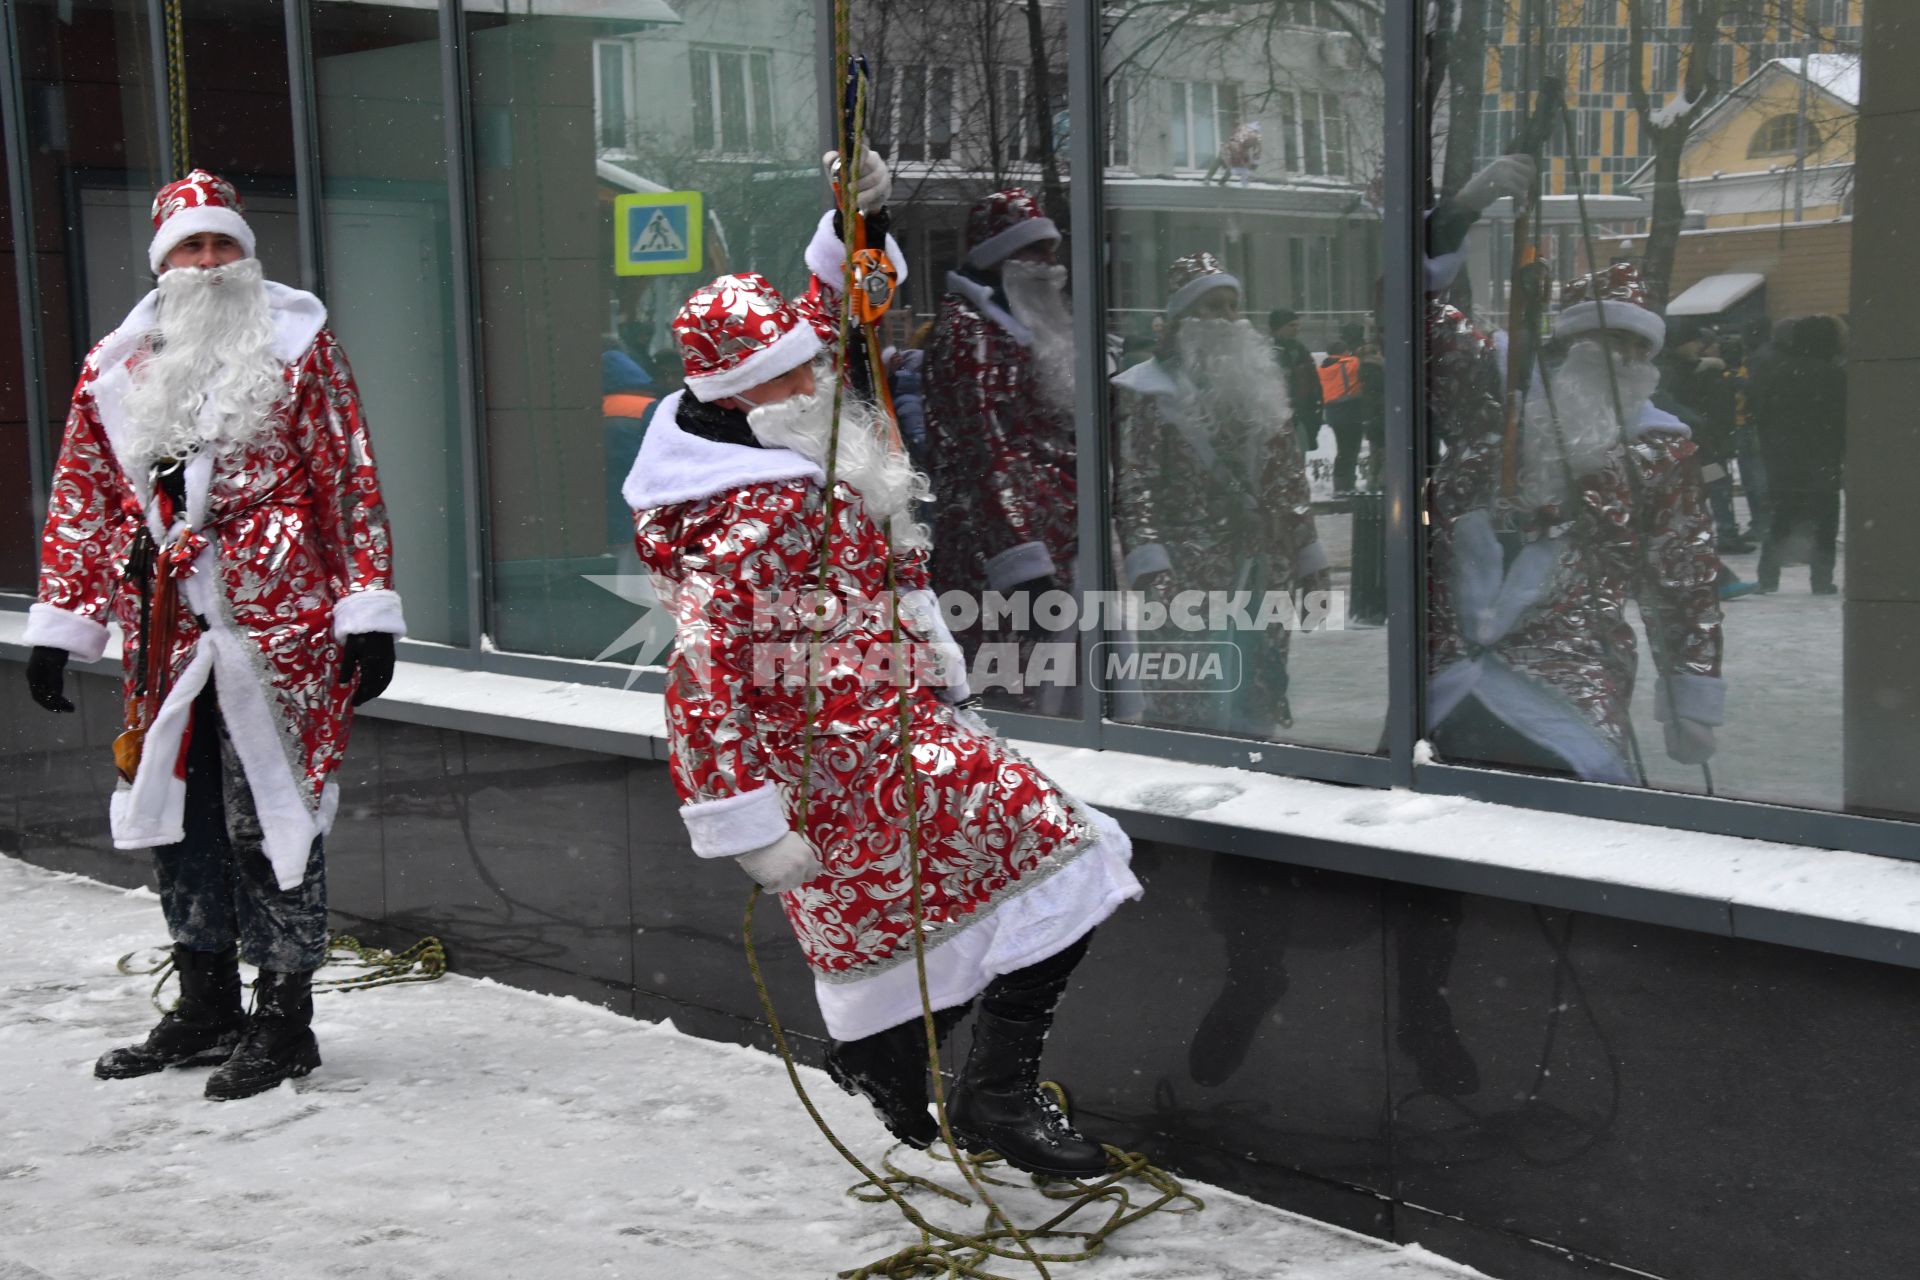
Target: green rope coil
(424,961)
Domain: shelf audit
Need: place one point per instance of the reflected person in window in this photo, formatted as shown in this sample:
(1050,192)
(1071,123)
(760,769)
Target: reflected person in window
(784,708)
(216,496)
(1531,652)
(1000,439)
(1212,502)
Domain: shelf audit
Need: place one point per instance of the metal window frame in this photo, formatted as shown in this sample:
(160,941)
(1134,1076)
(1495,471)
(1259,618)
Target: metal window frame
(26,259)
(303,90)
(456,105)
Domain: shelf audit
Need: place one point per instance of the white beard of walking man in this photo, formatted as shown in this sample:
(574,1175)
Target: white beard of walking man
(216,496)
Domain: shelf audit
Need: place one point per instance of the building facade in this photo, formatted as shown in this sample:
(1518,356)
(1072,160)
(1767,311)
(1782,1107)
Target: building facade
(1540,1024)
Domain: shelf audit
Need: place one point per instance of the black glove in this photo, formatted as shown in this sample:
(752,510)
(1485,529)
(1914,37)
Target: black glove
(1036,587)
(47,677)
(370,656)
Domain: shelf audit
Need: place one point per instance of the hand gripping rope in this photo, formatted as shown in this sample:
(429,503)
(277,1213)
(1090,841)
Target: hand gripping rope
(939,1251)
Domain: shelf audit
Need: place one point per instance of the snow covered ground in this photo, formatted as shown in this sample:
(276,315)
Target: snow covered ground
(465,1129)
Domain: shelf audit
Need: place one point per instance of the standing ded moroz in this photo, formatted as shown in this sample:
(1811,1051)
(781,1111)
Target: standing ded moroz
(216,496)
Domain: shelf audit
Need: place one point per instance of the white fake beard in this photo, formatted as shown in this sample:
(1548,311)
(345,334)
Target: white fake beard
(1237,379)
(212,381)
(884,476)
(1588,430)
(1036,295)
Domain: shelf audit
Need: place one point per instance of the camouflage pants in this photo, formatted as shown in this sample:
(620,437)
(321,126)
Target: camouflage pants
(217,889)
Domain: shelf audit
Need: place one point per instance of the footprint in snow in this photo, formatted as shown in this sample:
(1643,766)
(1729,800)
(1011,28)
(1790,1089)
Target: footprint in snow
(1178,799)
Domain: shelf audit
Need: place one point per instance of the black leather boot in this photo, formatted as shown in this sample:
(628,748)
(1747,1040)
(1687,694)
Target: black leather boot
(278,1043)
(890,1069)
(997,1104)
(201,1030)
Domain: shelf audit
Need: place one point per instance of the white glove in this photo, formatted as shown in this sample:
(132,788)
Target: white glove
(1510,176)
(920,611)
(784,865)
(876,183)
(1689,741)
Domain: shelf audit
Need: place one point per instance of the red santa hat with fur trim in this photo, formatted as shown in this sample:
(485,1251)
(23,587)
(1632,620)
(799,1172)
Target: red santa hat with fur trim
(1003,224)
(1616,297)
(197,203)
(737,333)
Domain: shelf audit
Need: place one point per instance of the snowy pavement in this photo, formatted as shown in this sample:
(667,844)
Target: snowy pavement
(466,1129)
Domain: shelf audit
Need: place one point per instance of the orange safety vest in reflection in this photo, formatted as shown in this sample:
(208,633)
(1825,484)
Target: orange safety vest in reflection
(1339,378)
(624,404)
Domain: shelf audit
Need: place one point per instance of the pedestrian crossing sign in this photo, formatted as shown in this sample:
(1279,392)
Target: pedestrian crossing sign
(657,233)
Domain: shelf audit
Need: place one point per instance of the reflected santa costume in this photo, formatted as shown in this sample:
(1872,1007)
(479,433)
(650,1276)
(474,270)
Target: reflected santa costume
(1531,654)
(1212,494)
(730,512)
(999,417)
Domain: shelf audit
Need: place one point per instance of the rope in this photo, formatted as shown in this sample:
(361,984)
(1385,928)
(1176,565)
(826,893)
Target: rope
(176,50)
(424,961)
(939,1251)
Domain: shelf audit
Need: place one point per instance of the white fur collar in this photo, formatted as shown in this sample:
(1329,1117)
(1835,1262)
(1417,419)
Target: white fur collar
(980,298)
(677,466)
(298,317)
(1149,378)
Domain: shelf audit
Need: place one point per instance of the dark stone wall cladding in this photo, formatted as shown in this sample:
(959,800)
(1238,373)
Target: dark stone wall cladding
(1534,1092)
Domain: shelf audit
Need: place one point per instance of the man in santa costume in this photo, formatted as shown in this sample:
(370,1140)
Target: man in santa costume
(1212,496)
(216,440)
(1531,654)
(999,414)
(731,507)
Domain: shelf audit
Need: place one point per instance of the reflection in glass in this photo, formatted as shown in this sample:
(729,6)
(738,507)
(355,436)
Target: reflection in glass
(18,545)
(703,114)
(388,278)
(1248,393)
(1636,536)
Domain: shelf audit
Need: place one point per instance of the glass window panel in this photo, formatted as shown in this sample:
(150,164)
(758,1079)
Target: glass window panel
(1708,586)
(611,109)
(912,144)
(995,368)
(94,163)
(734,138)
(762,91)
(389,268)
(19,529)
(575,354)
(702,100)
(1224,488)
(940,114)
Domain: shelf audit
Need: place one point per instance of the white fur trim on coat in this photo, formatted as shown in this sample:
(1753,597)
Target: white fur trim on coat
(827,256)
(1141,561)
(1312,559)
(1691,697)
(1193,290)
(1018,564)
(675,465)
(920,610)
(364,611)
(797,346)
(980,298)
(733,825)
(191,222)
(998,248)
(57,628)
(1585,317)
(1019,931)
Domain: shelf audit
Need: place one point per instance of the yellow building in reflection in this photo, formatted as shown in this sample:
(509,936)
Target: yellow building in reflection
(1589,43)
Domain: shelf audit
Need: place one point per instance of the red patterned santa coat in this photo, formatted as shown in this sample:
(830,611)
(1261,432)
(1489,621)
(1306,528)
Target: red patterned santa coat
(282,552)
(1002,455)
(733,535)
(1544,639)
